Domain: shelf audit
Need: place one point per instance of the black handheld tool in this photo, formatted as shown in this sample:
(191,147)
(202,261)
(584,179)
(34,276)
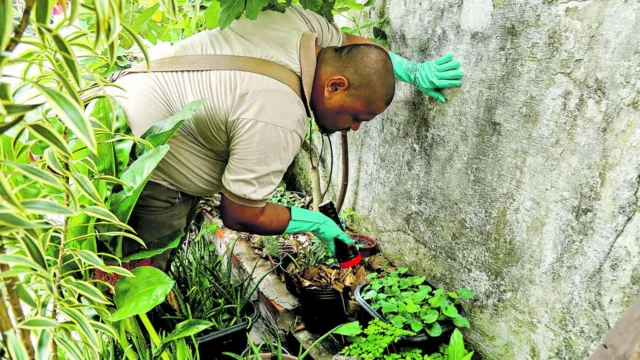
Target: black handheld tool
(347,255)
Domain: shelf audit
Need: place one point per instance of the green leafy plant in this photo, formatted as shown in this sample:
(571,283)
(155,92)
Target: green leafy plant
(206,288)
(408,303)
(286,198)
(378,339)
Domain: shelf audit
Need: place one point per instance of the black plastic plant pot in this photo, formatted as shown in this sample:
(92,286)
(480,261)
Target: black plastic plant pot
(232,339)
(289,281)
(423,340)
(369,249)
(322,309)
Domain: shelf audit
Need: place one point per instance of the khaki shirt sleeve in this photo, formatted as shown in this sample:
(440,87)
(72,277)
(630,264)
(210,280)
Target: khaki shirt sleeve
(329,34)
(260,153)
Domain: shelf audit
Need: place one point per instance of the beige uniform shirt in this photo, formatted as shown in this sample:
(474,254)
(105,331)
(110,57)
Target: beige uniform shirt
(246,134)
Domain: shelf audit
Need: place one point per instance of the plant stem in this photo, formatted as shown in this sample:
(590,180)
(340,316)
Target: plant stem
(315,174)
(5,321)
(345,171)
(23,25)
(16,308)
(317,342)
(153,334)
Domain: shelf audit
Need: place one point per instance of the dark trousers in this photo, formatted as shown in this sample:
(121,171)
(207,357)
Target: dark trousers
(159,212)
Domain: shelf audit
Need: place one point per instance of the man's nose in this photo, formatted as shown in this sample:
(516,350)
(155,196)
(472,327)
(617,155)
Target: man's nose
(355,126)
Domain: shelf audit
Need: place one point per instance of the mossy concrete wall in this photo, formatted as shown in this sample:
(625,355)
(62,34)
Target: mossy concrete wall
(525,186)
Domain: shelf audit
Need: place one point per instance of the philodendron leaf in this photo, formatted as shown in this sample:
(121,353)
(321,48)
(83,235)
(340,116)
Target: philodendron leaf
(350,329)
(461,321)
(435,330)
(466,293)
(456,350)
(137,295)
(184,329)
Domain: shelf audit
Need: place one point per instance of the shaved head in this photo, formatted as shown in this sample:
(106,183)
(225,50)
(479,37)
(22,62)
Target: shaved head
(367,67)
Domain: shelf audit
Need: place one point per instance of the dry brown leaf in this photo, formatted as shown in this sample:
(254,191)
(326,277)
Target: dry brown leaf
(306,283)
(338,286)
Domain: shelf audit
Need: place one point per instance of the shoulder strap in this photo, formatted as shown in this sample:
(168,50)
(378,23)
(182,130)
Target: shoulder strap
(220,62)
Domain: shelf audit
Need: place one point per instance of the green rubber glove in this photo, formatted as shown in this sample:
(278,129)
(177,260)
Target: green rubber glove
(303,220)
(430,75)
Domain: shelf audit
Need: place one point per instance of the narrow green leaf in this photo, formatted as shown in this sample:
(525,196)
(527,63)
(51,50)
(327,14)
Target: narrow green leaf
(51,137)
(6,126)
(102,19)
(142,19)
(16,349)
(6,23)
(44,9)
(6,193)
(184,329)
(104,328)
(38,322)
(70,348)
(229,11)
(52,161)
(119,270)
(87,187)
(86,289)
(101,213)
(32,249)
(149,287)
(170,241)
(71,115)
(12,260)
(82,326)
(16,221)
(35,173)
(91,259)
(25,296)
(45,207)
(143,48)
(68,56)
(18,109)
(44,345)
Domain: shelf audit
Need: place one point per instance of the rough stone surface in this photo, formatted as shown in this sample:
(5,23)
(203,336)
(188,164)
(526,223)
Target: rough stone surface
(525,186)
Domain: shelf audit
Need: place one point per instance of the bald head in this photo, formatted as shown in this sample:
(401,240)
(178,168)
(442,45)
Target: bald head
(367,67)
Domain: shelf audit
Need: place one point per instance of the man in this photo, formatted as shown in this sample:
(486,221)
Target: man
(246,134)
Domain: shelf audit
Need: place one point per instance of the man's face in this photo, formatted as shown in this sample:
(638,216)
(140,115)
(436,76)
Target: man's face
(342,111)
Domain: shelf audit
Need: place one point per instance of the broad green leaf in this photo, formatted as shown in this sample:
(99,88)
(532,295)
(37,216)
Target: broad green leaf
(38,322)
(51,137)
(87,188)
(453,294)
(16,349)
(229,11)
(461,322)
(71,115)
(211,15)
(6,23)
(184,329)
(163,130)
(370,294)
(137,295)
(254,7)
(34,173)
(313,5)
(44,345)
(387,308)
(45,207)
(18,109)
(411,307)
(416,325)
(138,173)
(419,296)
(434,330)
(170,241)
(466,293)
(143,18)
(417,280)
(450,310)
(456,350)
(82,326)
(349,329)
(398,320)
(430,316)
(86,289)
(435,301)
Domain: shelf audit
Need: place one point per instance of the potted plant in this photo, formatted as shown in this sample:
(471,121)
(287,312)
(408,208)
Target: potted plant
(411,303)
(286,197)
(206,289)
(324,289)
(367,246)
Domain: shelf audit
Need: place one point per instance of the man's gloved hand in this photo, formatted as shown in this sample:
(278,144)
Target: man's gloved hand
(303,220)
(430,75)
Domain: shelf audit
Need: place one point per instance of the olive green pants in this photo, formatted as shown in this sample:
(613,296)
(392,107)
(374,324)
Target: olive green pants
(159,212)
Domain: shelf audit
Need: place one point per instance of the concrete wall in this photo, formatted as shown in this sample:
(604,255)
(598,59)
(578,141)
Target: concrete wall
(525,186)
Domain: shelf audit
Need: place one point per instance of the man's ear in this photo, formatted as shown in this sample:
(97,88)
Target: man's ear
(335,85)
